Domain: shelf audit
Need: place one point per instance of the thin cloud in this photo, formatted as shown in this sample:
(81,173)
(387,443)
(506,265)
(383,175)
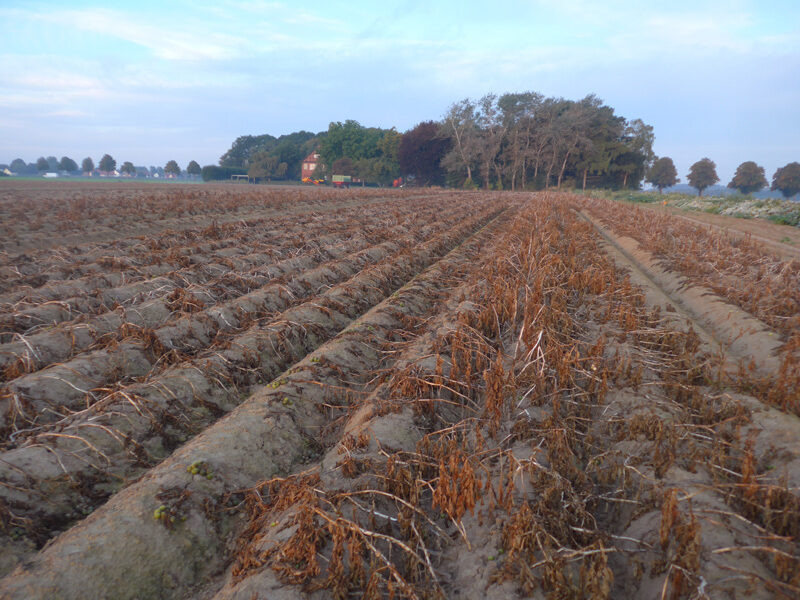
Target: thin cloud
(50,87)
(168,42)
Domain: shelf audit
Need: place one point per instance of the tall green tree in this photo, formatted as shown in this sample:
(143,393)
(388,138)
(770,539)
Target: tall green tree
(636,153)
(385,167)
(172,168)
(607,145)
(787,180)
(491,132)
(264,165)
(193,168)
(291,149)
(244,147)
(597,157)
(67,164)
(566,135)
(460,124)
(107,164)
(18,166)
(543,143)
(350,139)
(372,152)
(702,174)
(87,165)
(128,168)
(42,164)
(662,174)
(519,113)
(749,178)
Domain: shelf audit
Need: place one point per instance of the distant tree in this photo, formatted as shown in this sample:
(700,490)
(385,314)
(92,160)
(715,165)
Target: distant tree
(172,168)
(663,174)
(460,125)
(421,151)
(749,178)
(244,147)
(17,166)
(787,180)
(636,152)
(128,168)
(383,168)
(42,164)
(492,130)
(193,168)
(107,163)
(67,164)
(350,139)
(292,149)
(87,166)
(52,163)
(702,174)
(343,166)
(262,166)
(215,173)
(518,110)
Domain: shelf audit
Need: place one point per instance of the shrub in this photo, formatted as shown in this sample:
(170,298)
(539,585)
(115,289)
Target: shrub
(786,219)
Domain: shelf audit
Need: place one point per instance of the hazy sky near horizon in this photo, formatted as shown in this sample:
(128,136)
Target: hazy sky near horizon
(153,81)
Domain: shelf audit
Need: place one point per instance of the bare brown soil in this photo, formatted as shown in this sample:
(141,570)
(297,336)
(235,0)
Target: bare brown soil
(440,395)
(36,215)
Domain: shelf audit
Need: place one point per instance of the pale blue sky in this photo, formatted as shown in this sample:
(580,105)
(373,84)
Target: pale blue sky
(153,81)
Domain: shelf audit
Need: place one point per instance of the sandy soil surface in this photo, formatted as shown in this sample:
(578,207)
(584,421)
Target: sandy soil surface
(724,327)
(478,395)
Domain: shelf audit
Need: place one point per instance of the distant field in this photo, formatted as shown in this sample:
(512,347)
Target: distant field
(41,213)
(228,391)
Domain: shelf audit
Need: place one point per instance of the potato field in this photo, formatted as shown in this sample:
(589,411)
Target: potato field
(247,392)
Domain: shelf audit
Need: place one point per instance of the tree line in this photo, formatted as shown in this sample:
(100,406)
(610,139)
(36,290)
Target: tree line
(501,142)
(107,164)
(516,140)
(749,176)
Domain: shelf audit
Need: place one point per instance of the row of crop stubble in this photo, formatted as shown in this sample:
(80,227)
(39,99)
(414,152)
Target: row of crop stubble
(739,270)
(549,436)
(35,216)
(63,458)
(514,422)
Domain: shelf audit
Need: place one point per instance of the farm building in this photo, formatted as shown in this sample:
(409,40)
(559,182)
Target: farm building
(310,163)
